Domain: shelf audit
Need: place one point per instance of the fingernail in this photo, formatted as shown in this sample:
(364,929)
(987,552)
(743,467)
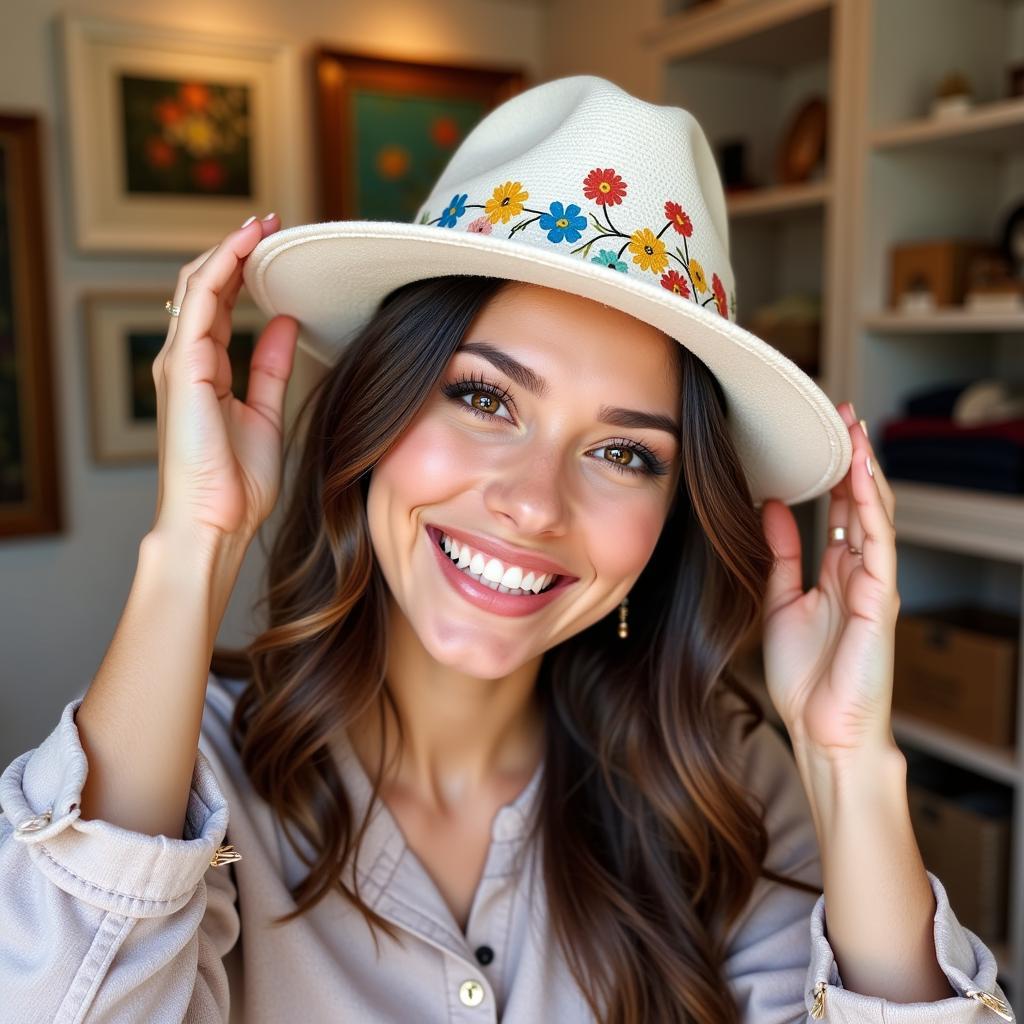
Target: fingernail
(853,412)
(246,223)
(864,427)
(867,463)
(269,215)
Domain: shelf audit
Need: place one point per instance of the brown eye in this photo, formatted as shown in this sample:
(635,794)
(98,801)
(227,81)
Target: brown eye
(620,455)
(481,400)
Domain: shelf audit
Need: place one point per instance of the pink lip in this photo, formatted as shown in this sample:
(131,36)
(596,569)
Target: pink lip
(504,552)
(492,600)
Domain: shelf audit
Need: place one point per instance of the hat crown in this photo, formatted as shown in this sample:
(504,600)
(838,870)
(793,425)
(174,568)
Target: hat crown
(581,165)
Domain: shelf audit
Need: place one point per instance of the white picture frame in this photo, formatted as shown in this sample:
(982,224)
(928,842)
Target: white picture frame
(137,191)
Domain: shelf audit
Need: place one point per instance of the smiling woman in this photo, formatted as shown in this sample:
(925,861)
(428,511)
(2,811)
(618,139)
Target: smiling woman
(485,760)
(543,432)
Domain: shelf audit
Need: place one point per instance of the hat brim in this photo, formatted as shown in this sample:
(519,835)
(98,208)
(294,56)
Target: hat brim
(331,276)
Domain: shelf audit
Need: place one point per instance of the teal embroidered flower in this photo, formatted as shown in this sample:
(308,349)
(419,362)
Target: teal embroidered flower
(455,209)
(610,259)
(563,223)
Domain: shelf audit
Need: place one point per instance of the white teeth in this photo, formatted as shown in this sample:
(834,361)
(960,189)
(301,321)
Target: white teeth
(513,577)
(491,572)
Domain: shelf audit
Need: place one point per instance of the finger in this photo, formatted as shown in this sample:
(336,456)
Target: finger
(841,511)
(884,488)
(785,583)
(272,361)
(879,545)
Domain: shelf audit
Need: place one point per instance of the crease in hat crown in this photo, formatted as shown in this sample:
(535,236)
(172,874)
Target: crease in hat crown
(582,169)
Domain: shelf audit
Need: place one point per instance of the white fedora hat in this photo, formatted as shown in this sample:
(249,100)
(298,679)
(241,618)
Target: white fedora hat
(577,185)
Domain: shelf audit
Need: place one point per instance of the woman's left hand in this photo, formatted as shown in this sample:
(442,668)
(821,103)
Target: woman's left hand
(828,653)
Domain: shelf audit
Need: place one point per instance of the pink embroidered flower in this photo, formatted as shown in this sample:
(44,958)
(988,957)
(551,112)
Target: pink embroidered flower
(680,220)
(674,282)
(480,226)
(605,187)
(719,289)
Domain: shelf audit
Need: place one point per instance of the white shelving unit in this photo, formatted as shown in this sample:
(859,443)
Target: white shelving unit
(892,174)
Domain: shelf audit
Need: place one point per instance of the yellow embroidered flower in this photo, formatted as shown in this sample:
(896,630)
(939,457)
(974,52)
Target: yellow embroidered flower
(648,250)
(700,282)
(507,202)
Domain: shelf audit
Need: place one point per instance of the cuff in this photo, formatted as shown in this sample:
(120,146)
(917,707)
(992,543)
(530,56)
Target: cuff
(124,872)
(966,961)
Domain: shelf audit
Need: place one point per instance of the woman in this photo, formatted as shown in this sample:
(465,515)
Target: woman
(487,761)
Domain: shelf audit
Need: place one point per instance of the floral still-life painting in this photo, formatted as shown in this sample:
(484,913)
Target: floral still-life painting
(186,137)
(565,223)
(143,346)
(402,144)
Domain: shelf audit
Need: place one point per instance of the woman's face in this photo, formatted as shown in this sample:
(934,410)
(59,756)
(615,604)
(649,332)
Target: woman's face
(527,478)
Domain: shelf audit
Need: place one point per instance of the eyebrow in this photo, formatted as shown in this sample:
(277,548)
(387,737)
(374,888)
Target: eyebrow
(530,380)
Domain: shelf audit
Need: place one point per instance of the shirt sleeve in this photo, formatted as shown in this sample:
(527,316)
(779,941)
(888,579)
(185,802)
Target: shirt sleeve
(103,924)
(779,963)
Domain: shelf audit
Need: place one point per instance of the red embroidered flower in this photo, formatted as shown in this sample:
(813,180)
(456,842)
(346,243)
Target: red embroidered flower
(605,187)
(680,220)
(674,282)
(719,289)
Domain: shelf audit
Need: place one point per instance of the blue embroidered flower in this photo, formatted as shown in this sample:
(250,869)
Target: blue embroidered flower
(563,223)
(609,258)
(456,208)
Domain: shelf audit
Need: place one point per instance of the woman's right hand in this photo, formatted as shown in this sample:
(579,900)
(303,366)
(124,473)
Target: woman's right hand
(219,457)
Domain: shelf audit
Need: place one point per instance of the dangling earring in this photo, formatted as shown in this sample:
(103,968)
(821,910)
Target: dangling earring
(623,625)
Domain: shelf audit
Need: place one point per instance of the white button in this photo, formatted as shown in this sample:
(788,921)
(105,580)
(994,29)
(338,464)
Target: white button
(471,993)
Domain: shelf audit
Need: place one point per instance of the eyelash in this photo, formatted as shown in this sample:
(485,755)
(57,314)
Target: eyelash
(466,385)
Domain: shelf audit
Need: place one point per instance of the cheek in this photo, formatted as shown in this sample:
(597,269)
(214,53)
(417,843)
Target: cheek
(619,551)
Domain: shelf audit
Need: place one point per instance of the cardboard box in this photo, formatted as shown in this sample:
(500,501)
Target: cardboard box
(938,268)
(965,842)
(957,667)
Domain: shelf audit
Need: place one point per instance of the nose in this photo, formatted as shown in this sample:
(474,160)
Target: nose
(529,491)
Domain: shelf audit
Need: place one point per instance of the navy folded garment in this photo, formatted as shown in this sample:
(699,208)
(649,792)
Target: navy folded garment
(934,450)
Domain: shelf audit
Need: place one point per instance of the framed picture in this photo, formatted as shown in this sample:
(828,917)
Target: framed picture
(125,331)
(387,128)
(176,137)
(29,489)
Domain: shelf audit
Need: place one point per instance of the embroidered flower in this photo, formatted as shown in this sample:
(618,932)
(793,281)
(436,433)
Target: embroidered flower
(700,282)
(507,202)
(680,220)
(719,289)
(455,209)
(563,223)
(675,282)
(648,250)
(605,187)
(610,258)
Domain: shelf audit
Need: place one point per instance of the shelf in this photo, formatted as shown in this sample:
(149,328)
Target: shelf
(773,35)
(991,127)
(993,763)
(952,320)
(972,522)
(778,199)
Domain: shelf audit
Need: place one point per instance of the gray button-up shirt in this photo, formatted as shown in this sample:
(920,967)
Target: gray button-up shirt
(100,924)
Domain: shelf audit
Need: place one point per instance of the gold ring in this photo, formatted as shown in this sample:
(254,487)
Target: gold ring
(171,308)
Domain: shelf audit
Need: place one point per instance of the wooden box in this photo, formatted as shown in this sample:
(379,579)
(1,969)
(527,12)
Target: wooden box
(957,668)
(939,268)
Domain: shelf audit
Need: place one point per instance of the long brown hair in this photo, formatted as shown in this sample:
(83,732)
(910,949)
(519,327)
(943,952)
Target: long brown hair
(647,838)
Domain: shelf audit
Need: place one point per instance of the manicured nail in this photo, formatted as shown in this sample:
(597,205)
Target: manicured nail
(853,412)
(867,463)
(246,223)
(270,215)
(864,427)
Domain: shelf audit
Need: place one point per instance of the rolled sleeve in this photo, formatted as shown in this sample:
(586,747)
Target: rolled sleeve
(966,961)
(121,871)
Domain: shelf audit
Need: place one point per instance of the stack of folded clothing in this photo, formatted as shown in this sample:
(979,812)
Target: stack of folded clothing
(969,434)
